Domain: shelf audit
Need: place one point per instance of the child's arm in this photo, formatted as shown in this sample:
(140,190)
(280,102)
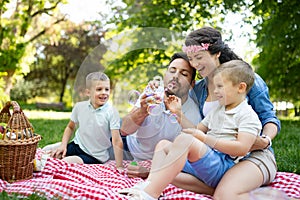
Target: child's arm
(173,103)
(238,147)
(118,147)
(61,151)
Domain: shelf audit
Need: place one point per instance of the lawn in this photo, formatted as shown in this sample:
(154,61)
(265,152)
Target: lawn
(286,145)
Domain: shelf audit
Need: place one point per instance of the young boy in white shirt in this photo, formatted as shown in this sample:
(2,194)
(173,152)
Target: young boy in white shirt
(97,121)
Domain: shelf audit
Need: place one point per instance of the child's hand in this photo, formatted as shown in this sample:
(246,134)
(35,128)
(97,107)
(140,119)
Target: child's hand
(196,133)
(173,103)
(59,153)
(121,170)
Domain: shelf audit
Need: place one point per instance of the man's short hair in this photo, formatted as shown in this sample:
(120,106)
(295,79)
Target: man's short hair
(183,56)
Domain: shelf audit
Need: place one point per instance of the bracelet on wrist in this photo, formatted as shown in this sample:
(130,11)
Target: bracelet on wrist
(269,139)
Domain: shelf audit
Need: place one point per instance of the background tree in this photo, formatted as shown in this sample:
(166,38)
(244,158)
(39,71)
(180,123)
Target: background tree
(19,29)
(276,33)
(159,28)
(57,63)
(176,16)
(278,38)
(143,34)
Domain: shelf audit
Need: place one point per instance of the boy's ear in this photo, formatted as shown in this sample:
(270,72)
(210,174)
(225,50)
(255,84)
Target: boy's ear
(242,87)
(87,92)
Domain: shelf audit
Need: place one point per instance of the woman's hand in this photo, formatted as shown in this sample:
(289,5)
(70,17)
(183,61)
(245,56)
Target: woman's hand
(260,143)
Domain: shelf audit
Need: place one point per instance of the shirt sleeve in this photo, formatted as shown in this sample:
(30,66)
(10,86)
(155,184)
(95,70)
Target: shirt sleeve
(115,120)
(207,120)
(249,123)
(258,98)
(74,114)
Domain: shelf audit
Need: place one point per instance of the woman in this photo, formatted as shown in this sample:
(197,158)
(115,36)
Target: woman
(206,51)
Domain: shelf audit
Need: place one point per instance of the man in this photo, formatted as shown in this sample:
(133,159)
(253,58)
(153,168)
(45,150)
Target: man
(143,130)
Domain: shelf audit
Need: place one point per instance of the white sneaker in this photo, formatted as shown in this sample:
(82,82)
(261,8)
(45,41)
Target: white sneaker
(139,186)
(136,194)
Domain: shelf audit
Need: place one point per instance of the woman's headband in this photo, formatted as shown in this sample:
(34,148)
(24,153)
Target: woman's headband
(195,48)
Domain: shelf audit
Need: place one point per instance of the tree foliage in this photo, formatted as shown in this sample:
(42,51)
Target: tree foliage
(278,37)
(144,35)
(57,63)
(19,29)
(157,30)
(276,25)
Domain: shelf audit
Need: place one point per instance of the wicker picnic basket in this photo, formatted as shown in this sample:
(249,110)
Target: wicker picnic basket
(17,145)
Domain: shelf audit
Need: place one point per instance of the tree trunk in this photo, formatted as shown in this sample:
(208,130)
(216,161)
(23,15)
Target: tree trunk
(8,79)
(62,92)
(297,111)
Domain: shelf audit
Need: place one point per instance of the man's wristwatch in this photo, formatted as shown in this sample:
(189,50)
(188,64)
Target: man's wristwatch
(269,139)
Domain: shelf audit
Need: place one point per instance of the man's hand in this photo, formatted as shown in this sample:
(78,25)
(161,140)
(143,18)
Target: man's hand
(137,171)
(144,103)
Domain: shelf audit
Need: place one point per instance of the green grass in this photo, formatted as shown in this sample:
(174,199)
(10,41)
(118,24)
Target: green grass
(287,146)
(51,130)
(14,196)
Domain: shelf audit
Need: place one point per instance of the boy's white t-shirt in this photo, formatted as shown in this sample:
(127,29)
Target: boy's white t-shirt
(155,128)
(94,128)
(226,124)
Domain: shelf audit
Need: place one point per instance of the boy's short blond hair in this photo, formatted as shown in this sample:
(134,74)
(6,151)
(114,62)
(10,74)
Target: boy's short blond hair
(237,71)
(95,76)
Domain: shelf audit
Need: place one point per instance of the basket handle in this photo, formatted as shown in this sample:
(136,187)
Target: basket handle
(5,113)
(18,123)
(16,107)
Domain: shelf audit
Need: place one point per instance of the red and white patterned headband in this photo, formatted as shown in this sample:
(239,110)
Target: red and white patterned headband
(196,48)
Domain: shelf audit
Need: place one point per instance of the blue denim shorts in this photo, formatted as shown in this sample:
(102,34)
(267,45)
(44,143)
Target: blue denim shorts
(210,168)
(74,150)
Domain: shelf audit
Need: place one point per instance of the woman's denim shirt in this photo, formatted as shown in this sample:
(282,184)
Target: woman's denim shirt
(258,98)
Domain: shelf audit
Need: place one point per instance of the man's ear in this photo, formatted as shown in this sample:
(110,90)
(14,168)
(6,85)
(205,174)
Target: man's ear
(193,83)
(242,87)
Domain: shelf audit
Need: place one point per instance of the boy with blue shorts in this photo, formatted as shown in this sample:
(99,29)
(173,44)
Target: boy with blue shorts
(97,121)
(219,141)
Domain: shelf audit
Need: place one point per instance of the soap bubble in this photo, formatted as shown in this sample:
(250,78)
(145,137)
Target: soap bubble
(169,89)
(154,109)
(133,96)
(173,118)
(170,86)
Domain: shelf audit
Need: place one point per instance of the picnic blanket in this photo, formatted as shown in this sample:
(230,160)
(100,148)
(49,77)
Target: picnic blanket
(60,180)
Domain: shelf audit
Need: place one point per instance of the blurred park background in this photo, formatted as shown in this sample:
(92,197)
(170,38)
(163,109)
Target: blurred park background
(46,51)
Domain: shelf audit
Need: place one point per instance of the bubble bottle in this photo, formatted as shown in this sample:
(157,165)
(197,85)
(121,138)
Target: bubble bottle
(155,94)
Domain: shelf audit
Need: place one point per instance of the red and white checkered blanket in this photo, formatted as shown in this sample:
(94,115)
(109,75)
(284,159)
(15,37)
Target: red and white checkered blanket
(74,181)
